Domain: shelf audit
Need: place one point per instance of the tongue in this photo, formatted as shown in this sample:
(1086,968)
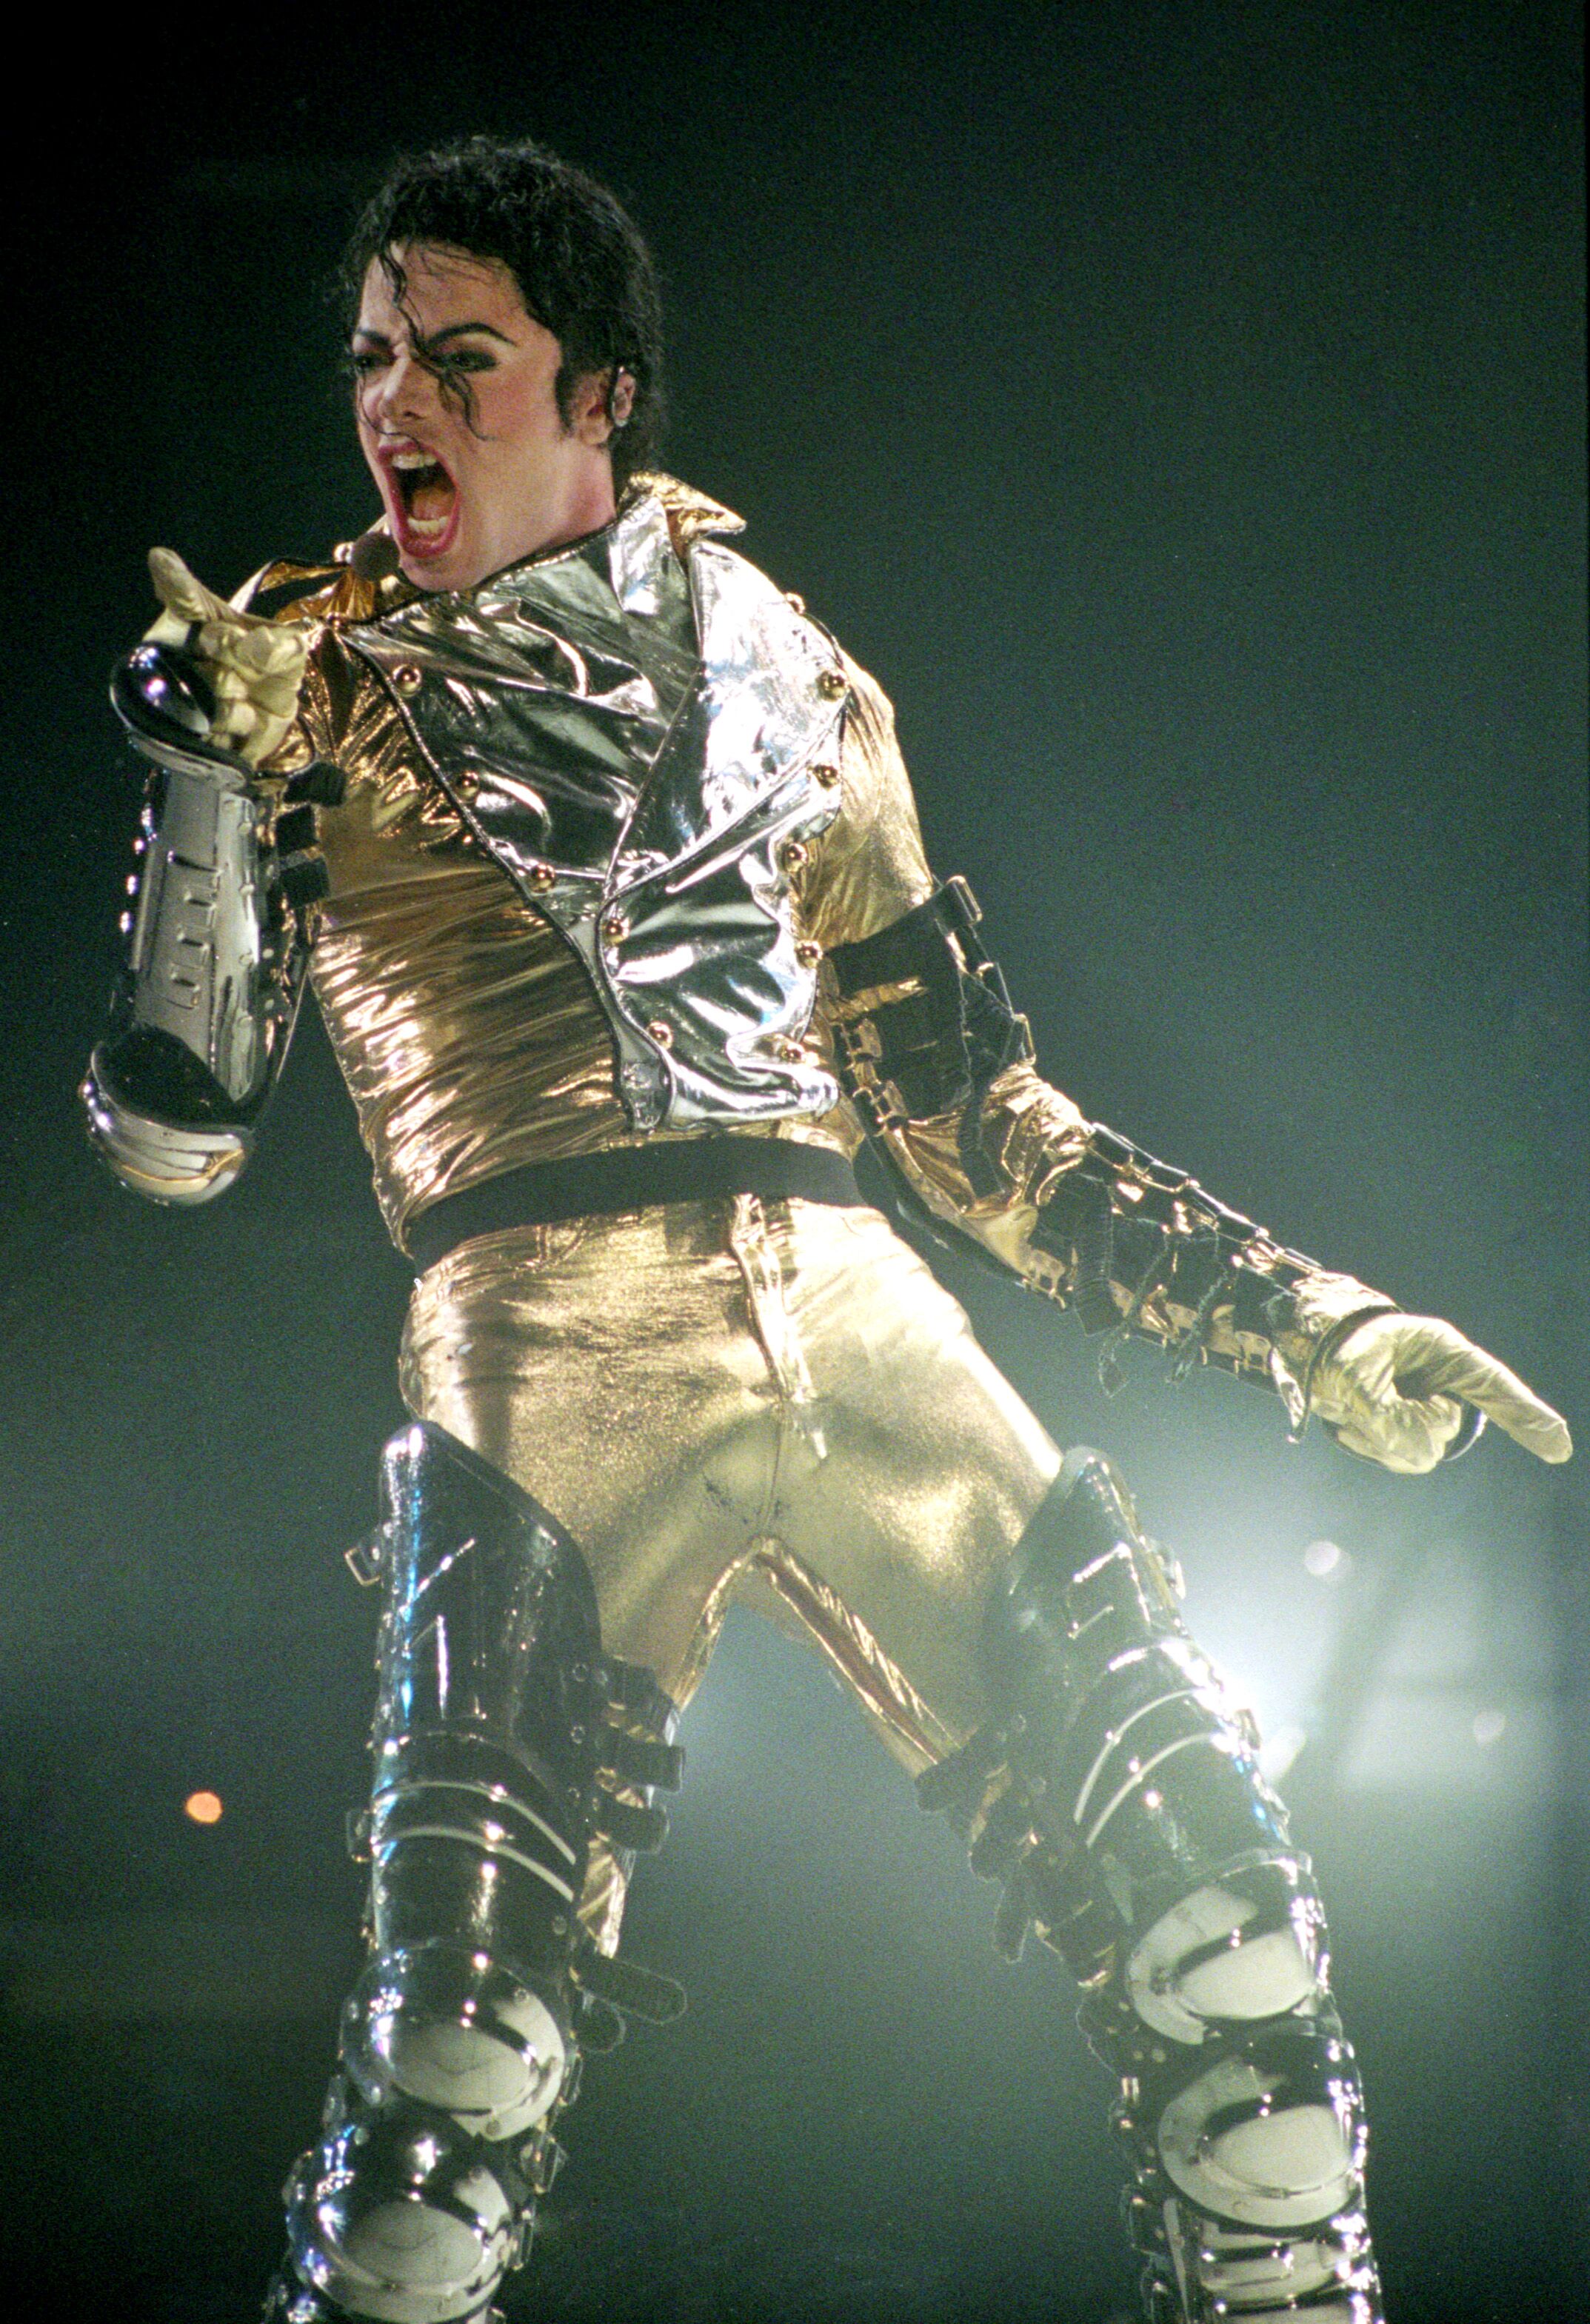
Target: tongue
(432,499)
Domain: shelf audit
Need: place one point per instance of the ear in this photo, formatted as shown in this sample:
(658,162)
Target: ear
(602,405)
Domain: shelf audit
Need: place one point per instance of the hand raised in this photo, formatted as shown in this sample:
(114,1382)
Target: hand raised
(255,666)
(1394,1387)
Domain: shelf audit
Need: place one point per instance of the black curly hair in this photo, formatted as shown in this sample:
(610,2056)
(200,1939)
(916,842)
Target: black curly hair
(582,267)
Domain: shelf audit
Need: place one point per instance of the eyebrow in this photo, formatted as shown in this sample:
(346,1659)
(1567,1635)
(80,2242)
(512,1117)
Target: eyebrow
(436,338)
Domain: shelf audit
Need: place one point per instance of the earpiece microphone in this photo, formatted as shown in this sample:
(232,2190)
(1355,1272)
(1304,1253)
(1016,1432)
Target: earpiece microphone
(374,557)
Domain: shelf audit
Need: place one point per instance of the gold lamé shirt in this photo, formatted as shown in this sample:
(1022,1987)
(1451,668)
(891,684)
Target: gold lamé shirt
(464,1026)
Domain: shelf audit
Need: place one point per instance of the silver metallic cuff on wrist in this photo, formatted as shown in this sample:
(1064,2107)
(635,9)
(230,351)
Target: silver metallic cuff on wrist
(158,1160)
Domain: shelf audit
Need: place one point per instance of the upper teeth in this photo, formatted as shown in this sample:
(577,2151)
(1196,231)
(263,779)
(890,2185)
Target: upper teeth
(414,460)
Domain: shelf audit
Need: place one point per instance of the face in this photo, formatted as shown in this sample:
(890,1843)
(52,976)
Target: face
(458,420)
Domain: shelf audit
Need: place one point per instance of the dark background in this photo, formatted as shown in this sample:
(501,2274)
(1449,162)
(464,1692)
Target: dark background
(1182,410)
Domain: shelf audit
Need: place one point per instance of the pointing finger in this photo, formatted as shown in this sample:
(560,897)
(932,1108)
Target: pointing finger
(1452,1366)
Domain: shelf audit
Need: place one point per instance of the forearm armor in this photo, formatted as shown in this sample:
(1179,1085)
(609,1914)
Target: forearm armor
(1138,1247)
(203,1008)
(927,1040)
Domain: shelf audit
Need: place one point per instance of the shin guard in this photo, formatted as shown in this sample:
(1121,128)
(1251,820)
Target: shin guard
(505,1740)
(1116,1794)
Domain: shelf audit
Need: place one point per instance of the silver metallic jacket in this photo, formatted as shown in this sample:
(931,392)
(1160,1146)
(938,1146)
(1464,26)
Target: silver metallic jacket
(643,744)
(648,783)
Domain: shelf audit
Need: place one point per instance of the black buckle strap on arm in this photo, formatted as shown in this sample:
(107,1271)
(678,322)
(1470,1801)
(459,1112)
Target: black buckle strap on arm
(925,1022)
(1130,1233)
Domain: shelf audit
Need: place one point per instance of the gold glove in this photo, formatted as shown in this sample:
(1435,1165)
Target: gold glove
(256,667)
(1394,1389)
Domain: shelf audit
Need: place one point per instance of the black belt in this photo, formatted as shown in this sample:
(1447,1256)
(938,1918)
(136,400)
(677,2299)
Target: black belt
(631,1178)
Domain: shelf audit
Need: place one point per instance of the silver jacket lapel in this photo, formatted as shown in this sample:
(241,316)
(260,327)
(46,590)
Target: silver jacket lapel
(634,744)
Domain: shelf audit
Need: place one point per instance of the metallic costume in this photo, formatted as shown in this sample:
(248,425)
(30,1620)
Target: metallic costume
(1116,1794)
(614,850)
(505,1740)
(204,1009)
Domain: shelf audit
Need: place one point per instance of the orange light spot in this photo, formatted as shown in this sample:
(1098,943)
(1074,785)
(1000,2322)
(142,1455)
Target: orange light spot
(202,1807)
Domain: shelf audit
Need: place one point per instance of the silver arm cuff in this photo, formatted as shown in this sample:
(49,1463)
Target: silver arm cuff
(199,945)
(160,1159)
(204,1007)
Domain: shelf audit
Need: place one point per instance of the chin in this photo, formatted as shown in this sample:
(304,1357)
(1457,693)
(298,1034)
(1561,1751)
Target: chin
(452,568)
(429,572)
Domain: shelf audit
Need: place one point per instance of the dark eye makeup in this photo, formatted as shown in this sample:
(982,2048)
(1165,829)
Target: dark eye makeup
(440,360)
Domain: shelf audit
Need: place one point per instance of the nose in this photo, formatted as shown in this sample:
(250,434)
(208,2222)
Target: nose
(405,392)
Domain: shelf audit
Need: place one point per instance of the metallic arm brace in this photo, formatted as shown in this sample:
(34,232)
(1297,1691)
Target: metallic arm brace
(1137,1247)
(203,1009)
(924,1028)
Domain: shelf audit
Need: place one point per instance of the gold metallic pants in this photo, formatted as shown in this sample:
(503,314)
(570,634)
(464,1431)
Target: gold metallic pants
(739,1400)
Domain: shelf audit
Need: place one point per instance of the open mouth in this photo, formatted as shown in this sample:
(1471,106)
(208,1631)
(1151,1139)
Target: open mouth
(424,502)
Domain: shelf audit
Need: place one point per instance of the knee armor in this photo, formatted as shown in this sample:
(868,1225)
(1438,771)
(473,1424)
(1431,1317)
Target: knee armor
(505,1740)
(1116,1794)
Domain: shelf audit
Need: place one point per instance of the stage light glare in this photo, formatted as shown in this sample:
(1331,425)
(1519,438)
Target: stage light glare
(202,1807)
(1279,1752)
(1490,1726)
(1326,1561)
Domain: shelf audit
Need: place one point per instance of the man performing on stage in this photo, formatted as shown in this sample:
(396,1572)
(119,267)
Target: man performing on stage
(605,866)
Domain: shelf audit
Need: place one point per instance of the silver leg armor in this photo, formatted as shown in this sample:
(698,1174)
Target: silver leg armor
(1118,1796)
(503,1738)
